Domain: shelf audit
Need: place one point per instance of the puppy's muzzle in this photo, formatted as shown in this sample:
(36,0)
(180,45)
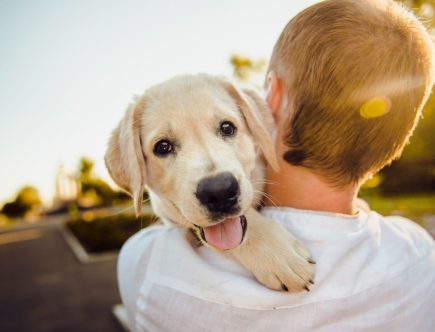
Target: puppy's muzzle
(219,194)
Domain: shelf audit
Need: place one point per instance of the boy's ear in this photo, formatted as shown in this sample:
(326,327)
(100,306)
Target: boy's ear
(274,93)
(258,119)
(124,155)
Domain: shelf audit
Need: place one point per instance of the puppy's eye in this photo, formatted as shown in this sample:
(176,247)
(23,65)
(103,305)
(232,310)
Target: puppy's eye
(163,148)
(227,128)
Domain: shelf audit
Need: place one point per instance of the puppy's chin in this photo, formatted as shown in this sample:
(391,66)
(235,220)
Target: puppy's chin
(225,235)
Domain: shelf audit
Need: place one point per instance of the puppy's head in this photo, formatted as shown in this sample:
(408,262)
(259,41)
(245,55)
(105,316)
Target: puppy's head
(193,141)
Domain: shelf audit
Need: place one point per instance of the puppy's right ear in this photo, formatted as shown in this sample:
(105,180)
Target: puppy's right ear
(258,118)
(124,157)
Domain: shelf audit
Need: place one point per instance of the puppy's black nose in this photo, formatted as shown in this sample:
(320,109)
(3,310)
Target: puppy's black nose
(218,193)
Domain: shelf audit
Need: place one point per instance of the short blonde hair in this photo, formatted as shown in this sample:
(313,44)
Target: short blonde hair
(338,58)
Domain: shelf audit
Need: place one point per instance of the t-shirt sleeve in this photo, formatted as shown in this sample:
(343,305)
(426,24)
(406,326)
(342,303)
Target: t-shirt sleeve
(132,263)
(416,234)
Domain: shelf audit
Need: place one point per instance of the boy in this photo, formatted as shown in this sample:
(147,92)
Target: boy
(347,82)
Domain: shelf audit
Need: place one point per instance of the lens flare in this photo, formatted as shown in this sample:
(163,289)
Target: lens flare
(375,107)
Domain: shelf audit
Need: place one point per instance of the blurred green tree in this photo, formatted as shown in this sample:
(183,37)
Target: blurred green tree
(421,147)
(26,201)
(246,69)
(415,170)
(425,9)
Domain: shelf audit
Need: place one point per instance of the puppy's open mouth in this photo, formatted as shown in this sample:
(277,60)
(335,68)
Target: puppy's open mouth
(228,234)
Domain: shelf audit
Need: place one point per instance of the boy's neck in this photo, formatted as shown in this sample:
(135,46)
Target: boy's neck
(300,188)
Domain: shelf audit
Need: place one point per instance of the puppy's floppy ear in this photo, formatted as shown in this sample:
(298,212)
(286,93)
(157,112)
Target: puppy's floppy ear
(124,156)
(258,118)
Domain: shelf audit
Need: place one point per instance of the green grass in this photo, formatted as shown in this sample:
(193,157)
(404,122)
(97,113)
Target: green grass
(414,207)
(107,233)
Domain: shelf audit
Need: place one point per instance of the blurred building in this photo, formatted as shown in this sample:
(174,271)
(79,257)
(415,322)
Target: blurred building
(66,187)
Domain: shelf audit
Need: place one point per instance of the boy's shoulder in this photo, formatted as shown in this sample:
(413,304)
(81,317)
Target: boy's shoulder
(409,232)
(142,241)
(403,229)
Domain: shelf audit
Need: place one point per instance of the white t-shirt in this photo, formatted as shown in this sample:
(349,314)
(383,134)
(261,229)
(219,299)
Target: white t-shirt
(373,273)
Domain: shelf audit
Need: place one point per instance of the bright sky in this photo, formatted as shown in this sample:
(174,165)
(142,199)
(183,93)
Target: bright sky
(69,68)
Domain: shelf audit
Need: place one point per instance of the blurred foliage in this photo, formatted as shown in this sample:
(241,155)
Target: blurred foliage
(246,69)
(27,201)
(421,147)
(98,234)
(424,9)
(415,207)
(94,190)
(415,171)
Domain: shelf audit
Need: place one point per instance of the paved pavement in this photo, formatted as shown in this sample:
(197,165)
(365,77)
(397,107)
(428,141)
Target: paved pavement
(43,287)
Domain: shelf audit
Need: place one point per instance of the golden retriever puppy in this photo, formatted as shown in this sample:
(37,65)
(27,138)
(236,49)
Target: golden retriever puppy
(199,144)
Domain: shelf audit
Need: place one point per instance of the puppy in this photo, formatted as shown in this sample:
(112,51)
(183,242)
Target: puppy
(199,145)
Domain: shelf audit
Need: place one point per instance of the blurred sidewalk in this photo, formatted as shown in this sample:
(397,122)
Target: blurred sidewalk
(43,287)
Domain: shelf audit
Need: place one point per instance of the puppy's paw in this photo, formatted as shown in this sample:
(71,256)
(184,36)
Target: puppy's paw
(283,263)
(274,256)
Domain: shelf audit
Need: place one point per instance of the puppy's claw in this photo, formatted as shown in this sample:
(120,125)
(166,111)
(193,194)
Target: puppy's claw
(311,261)
(311,282)
(284,287)
(306,288)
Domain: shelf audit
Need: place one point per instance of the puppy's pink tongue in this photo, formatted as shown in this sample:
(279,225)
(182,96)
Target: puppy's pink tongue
(226,235)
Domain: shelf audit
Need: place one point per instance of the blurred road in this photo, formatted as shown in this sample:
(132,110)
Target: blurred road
(43,287)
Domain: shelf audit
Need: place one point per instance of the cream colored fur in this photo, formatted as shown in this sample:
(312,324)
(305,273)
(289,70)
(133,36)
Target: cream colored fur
(188,110)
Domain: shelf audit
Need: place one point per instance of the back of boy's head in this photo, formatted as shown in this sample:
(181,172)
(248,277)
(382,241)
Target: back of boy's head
(356,74)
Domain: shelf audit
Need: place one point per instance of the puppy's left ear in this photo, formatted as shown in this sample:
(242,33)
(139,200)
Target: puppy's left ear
(124,157)
(258,117)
